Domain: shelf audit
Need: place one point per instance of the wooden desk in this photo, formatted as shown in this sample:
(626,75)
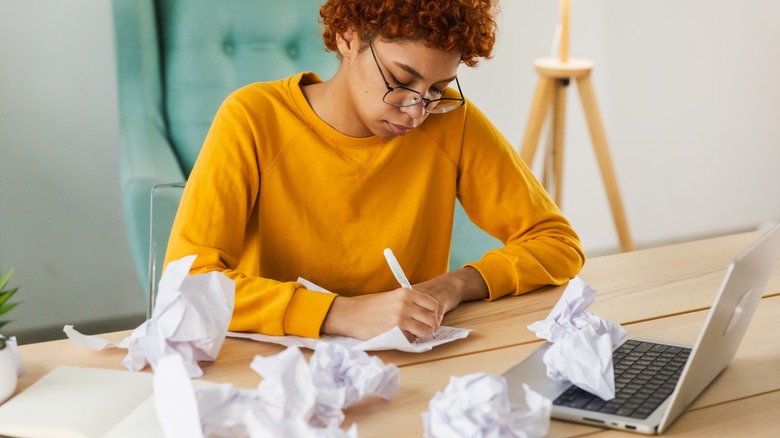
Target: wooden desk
(660,293)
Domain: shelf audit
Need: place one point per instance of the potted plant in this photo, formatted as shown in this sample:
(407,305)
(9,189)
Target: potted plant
(8,374)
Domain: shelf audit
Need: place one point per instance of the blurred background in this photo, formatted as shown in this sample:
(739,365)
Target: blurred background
(688,91)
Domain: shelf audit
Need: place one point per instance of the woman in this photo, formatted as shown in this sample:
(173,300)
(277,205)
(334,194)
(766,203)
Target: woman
(306,178)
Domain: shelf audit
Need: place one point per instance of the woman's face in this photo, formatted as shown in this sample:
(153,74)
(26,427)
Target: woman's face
(404,63)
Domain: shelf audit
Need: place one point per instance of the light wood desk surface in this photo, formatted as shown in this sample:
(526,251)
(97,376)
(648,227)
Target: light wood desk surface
(659,293)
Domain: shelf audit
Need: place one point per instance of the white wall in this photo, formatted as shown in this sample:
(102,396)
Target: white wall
(690,98)
(60,214)
(688,91)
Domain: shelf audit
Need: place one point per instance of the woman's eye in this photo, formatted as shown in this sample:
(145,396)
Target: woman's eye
(437,92)
(397,82)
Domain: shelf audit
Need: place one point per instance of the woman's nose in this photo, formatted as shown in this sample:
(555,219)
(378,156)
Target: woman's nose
(415,111)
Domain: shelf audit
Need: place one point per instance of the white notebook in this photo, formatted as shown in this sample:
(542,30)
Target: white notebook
(75,402)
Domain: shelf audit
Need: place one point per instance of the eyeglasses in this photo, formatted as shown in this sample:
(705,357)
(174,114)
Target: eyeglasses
(403,97)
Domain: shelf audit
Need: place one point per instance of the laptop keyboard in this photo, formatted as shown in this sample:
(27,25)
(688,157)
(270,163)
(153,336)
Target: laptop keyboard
(645,375)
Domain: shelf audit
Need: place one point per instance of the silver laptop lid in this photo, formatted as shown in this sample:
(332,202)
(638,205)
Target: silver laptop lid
(737,299)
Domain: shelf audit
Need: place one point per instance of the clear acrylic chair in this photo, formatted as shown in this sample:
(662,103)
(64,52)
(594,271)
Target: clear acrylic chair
(165,200)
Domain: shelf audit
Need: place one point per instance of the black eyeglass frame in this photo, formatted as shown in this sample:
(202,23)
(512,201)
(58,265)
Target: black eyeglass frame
(426,102)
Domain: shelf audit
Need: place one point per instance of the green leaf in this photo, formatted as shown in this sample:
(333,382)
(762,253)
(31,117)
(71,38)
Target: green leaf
(5,308)
(4,279)
(5,295)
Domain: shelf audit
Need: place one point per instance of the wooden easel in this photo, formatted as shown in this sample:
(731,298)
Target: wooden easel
(555,74)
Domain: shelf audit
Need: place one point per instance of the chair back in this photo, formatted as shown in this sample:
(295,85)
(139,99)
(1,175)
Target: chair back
(210,48)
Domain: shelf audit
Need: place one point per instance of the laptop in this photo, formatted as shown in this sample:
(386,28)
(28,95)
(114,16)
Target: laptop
(654,380)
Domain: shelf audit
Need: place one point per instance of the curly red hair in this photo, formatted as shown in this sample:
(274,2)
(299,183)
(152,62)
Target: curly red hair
(467,26)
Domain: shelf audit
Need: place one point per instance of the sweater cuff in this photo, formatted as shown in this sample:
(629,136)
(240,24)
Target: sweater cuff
(498,275)
(306,312)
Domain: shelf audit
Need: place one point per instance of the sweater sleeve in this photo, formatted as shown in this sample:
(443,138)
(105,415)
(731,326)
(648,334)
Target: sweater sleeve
(501,195)
(211,222)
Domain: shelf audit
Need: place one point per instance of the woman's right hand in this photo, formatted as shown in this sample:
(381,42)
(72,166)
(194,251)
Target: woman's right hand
(366,316)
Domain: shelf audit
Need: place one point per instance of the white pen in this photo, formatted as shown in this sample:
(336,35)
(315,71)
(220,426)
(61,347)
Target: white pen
(399,273)
(396,268)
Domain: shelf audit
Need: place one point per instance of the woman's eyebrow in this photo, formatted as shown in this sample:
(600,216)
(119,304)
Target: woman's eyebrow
(417,74)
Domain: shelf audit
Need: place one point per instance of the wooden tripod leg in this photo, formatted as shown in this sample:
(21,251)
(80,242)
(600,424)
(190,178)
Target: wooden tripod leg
(547,159)
(599,138)
(533,129)
(559,122)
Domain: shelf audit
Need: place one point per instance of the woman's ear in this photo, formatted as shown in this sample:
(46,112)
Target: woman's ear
(348,44)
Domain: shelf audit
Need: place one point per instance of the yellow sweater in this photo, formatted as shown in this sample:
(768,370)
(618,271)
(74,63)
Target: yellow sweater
(276,193)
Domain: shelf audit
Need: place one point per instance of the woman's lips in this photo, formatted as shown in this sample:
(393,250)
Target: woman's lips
(398,129)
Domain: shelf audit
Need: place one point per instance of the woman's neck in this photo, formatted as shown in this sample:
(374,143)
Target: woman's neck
(331,102)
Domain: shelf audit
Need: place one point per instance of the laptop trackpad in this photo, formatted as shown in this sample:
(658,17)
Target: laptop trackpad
(533,372)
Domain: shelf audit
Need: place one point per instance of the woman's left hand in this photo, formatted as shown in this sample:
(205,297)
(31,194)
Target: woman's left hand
(454,287)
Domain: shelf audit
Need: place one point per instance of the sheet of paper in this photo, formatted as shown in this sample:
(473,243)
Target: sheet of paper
(477,405)
(311,286)
(141,422)
(190,318)
(390,340)
(582,342)
(174,399)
